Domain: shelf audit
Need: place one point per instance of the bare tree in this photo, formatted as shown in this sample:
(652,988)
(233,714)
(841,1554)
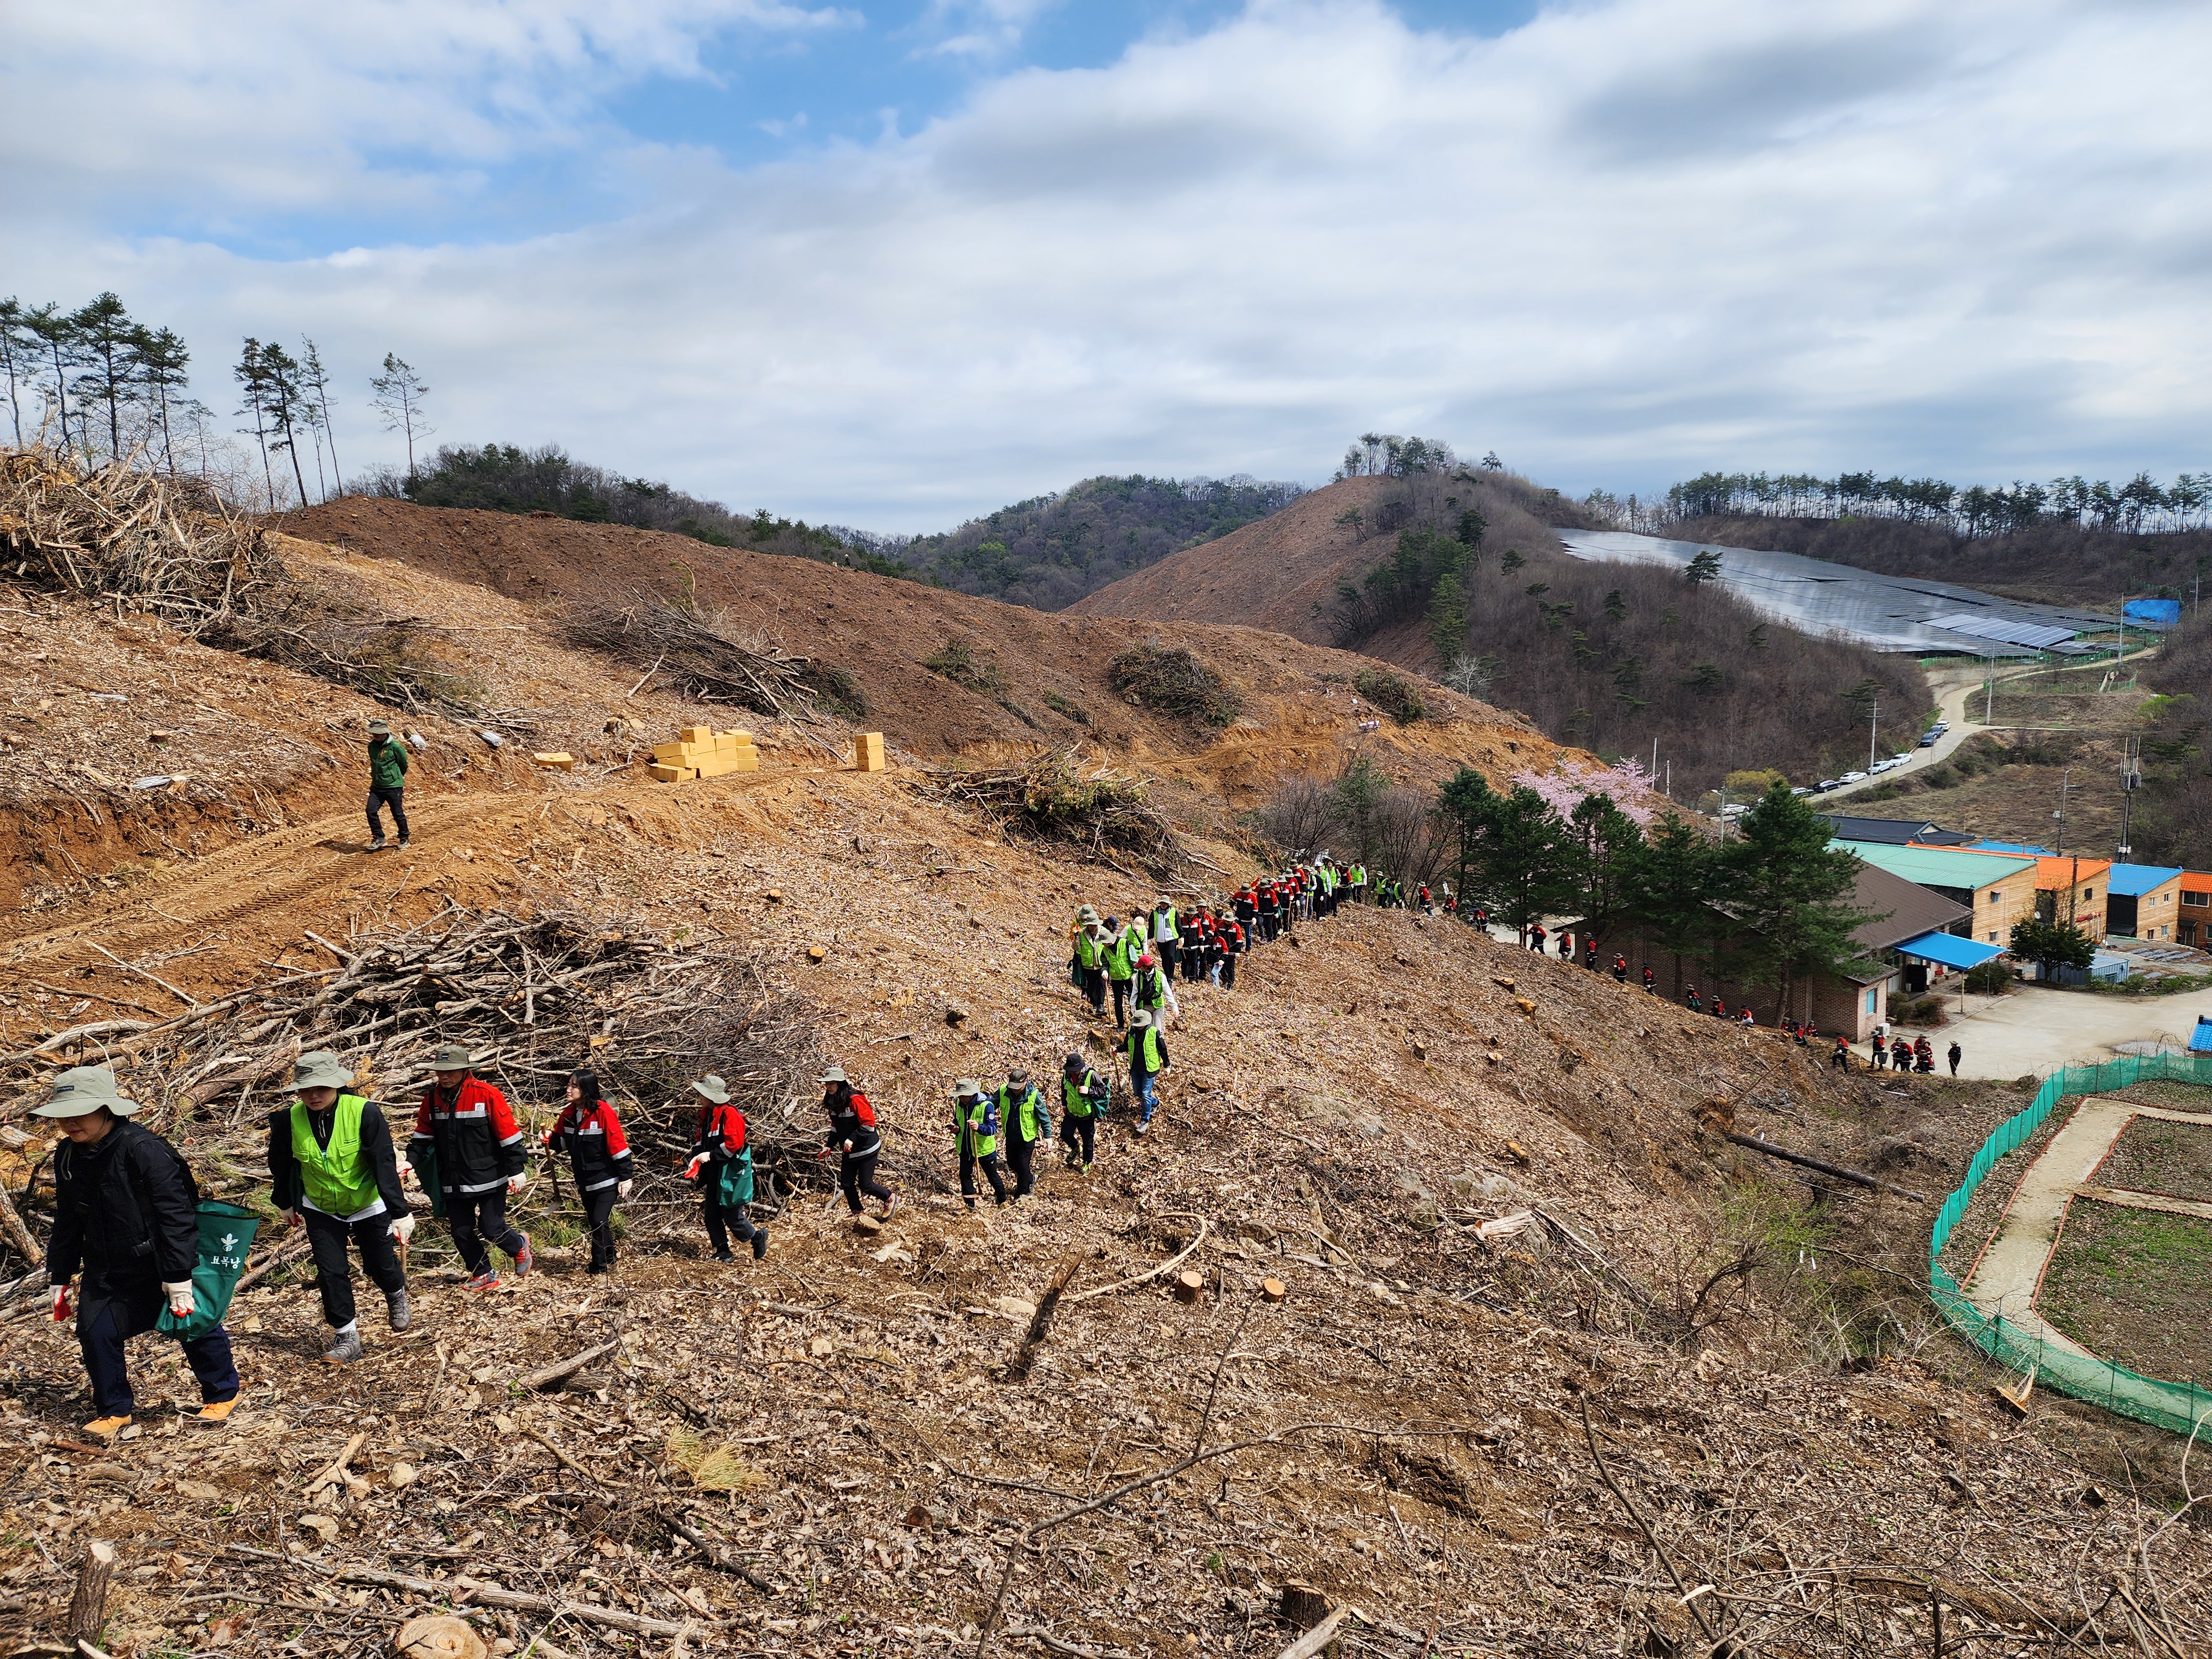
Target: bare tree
(399,393)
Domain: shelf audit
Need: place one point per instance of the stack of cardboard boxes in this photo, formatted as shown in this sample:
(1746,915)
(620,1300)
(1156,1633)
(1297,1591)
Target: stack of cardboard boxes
(700,751)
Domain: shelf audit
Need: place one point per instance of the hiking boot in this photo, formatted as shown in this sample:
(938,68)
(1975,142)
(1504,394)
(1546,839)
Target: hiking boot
(403,841)
(524,1262)
(889,1204)
(108,1427)
(726,1254)
(596,1267)
(760,1243)
(486,1280)
(344,1349)
(1141,1127)
(217,1412)
(970,1203)
(377,846)
(397,1310)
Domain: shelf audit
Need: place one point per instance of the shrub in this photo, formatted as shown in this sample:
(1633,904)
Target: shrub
(1991,977)
(1395,694)
(1169,680)
(956,659)
(1066,708)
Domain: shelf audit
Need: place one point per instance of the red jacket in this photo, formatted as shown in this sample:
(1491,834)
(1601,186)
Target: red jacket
(478,1143)
(599,1151)
(721,1133)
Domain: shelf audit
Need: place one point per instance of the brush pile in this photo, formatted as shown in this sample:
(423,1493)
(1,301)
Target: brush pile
(1057,797)
(1170,680)
(533,998)
(129,536)
(706,662)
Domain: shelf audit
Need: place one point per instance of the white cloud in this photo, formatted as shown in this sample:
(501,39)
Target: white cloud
(1629,240)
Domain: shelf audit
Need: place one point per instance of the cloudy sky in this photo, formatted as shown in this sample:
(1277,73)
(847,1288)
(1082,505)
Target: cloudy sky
(893,263)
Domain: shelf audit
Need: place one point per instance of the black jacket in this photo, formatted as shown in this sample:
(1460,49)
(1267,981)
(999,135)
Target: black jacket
(285,1187)
(126,1211)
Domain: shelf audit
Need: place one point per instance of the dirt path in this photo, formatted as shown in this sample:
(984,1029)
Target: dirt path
(2006,1279)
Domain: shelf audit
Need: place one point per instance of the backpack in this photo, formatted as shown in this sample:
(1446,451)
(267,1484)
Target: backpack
(733,1184)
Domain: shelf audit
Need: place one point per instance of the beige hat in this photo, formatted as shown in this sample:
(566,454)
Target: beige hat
(711,1087)
(450,1057)
(833,1075)
(321,1070)
(967,1086)
(379,728)
(83,1089)
(1140,1019)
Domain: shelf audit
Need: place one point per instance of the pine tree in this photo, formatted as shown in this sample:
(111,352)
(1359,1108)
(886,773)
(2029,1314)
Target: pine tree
(254,379)
(14,344)
(285,396)
(1673,902)
(106,341)
(162,359)
(399,393)
(1790,895)
(311,377)
(54,331)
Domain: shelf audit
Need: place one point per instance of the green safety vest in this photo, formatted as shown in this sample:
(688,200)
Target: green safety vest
(1145,1050)
(1019,1117)
(969,1117)
(1088,951)
(335,1180)
(1152,988)
(1074,1093)
(1121,955)
(1172,921)
(1359,875)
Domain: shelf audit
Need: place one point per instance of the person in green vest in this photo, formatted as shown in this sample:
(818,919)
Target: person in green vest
(332,1168)
(1359,884)
(387,783)
(1128,944)
(1083,1096)
(1091,945)
(975,1127)
(1148,1058)
(1027,1120)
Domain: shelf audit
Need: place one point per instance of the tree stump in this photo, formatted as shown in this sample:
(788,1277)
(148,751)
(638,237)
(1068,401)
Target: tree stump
(439,1636)
(1190,1285)
(1305,1607)
(1273,1290)
(88,1608)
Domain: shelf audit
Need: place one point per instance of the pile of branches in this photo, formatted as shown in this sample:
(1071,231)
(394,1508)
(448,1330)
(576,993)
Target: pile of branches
(395,661)
(127,536)
(1108,814)
(1170,680)
(703,659)
(533,998)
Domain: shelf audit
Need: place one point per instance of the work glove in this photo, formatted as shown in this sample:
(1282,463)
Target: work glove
(289,1217)
(62,1308)
(181,1297)
(691,1169)
(622,1189)
(515,1184)
(407,1176)
(545,1138)
(403,1229)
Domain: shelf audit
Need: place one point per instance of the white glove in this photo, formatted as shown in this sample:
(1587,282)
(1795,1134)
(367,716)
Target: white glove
(407,1174)
(516,1185)
(622,1189)
(403,1229)
(181,1297)
(289,1217)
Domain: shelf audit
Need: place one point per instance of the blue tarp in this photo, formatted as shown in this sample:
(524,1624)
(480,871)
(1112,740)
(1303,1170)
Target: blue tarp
(2200,1041)
(1949,950)
(2154,613)
(2020,846)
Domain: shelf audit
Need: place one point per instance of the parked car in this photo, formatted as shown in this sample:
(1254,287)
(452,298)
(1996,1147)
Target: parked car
(1902,756)
(1928,740)
(1733,810)
(1825,785)
(1852,777)
(1799,790)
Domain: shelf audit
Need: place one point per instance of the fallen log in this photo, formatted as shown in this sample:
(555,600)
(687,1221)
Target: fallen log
(1857,1177)
(563,1370)
(514,1601)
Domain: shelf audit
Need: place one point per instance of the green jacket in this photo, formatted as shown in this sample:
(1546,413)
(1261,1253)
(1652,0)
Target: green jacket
(387,764)
(1025,1117)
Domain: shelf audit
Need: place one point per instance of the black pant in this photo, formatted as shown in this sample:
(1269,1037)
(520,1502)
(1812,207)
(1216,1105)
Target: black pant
(476,1217)
(1122,999)
(1094,988)
(857,1175)
(1167,950)
(109,1318)
(326,1237)
(990,1163)
(600,1216)
(1021,1159)
(1228,973)
(724,1219)
(1078,1133)
(378,800)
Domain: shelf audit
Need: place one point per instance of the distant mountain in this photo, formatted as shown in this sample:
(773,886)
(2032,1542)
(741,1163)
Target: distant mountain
(1050,550)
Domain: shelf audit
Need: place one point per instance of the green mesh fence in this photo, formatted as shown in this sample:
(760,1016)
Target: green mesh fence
(2181,1406)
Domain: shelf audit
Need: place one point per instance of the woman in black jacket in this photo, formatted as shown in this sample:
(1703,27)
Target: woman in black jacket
(599,1157)
(126,1211)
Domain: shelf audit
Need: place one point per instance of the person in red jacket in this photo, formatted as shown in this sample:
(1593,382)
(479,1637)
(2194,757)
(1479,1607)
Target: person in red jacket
(599,1157)
(467,1125)
(724,1190)
(856,1140)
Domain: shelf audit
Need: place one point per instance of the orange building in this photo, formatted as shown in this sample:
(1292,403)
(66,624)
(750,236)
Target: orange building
(2068,888)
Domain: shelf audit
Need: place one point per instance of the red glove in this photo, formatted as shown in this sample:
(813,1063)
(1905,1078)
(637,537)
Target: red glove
(62,1308)
(691,1169)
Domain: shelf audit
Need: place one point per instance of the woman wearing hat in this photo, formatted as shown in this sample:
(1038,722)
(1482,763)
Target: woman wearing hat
(1148,1058)
(1083,1096)
(856,1139)
(387,784)
(975,1127)
(469,1127)
(126,1211)
(1027,1121)
(722,1165)
(331,1165)
(599,1157)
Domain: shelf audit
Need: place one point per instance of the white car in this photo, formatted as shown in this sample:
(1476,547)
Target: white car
(1852,777)
(1901,757)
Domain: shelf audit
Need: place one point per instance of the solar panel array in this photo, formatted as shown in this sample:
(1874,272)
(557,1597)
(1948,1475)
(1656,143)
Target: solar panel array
(2039,636)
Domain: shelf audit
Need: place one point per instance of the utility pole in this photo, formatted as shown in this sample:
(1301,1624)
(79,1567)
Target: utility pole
(1874,725)
(2131,781)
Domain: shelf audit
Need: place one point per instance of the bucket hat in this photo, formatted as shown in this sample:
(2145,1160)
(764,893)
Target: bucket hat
(379,728)
(450,1057)
(833,1075)
(321,1070)
(1140,1019)
(711,1087)
(966,1086)
(83,1089)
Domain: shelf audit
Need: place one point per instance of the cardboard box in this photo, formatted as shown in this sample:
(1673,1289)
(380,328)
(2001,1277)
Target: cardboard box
(561,761)
(868,750)
(672,754)
(668,774)
(696,733)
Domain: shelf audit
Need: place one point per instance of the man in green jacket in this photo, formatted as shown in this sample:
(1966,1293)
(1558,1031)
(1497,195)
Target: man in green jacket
(387,783)
(1083,1096)
(1148,1058)
(1026,1121)
(331,1167)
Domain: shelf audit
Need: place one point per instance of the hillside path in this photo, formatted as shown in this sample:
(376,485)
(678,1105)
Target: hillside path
(2006,1279)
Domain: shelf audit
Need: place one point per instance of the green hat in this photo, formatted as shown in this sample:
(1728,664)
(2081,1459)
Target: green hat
(450,1057)
(321,1070)
(711,1087)
(83,1089)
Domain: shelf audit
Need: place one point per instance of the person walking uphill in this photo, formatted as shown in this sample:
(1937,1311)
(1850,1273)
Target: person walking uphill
(975,1127)
(465,1132)
(855,1139)
(1083,1096)
(387,784)
(599,1157)
(332,1168)
(1027,1121)
(722,1165)
(126,1211)
(1148,1058)
(1128,944)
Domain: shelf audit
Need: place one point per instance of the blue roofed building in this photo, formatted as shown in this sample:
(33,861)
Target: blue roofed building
(2144,901)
